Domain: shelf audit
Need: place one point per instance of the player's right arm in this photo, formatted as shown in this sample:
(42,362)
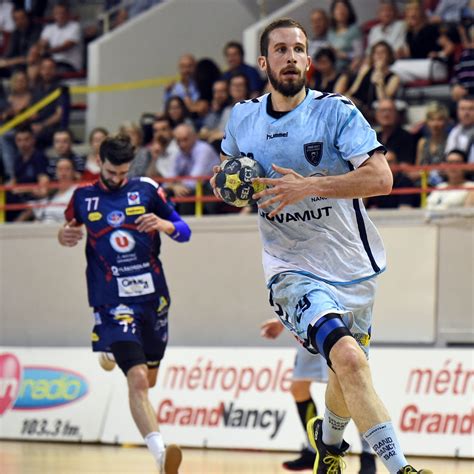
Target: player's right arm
(71,232)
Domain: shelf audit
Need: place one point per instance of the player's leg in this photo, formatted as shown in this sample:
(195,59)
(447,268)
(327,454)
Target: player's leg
(367,458)
(155,339)
(300,390)
(348,360)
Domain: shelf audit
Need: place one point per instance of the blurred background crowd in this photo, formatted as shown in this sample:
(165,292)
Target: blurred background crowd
(406,46)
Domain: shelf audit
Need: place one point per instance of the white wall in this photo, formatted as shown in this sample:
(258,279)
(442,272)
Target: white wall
(150,44)
(217,288)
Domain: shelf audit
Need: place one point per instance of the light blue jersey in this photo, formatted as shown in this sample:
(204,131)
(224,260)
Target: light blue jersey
(330,239)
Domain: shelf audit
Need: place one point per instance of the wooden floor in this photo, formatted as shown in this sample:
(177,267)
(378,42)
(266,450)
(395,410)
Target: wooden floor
(49,458)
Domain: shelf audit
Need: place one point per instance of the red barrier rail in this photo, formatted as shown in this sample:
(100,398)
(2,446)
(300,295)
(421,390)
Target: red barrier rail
(199,198)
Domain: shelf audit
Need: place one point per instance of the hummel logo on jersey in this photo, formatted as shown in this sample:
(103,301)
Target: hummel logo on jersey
(277,135)
(133,198)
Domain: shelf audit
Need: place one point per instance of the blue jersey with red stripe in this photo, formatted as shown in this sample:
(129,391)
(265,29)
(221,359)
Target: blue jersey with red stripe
(123,265)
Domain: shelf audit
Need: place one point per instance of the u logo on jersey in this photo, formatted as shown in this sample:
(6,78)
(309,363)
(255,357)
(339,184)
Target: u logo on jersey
(313,152)
(133,198)
(122,241)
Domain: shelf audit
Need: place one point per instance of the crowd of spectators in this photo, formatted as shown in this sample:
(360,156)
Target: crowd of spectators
(370,63)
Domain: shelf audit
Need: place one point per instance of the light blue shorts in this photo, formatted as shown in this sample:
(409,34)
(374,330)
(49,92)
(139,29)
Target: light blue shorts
(299,300)
(309,366)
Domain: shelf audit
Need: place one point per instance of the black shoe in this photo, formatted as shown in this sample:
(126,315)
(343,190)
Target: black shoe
(328,458)
(367,463)
(305,461)
(411,470)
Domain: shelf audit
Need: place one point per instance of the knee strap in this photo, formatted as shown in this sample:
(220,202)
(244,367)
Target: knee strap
(326,332)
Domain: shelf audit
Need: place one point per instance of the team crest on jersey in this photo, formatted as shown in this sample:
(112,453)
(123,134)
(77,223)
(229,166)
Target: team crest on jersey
(122,241)
(122,310)
(313,152)
(115,218)
(133,198)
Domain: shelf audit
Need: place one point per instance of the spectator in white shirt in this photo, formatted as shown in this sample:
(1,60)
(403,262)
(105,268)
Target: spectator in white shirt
(462,135)
(63,40)
(389,29)
(448,199)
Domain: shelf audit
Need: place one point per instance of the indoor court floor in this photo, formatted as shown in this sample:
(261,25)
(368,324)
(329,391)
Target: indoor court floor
(61,458)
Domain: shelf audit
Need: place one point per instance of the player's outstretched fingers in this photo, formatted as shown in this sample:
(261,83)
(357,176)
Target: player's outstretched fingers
(281,170)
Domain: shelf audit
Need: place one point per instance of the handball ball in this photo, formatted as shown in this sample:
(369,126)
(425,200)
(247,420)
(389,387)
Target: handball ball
(234,180)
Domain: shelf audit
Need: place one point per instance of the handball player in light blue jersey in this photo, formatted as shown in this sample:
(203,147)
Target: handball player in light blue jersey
(321,252)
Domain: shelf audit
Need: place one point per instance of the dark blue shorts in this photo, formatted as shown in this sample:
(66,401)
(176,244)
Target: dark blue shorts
(143,323)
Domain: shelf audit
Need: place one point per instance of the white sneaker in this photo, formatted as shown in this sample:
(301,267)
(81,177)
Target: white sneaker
(171,459)
(107,360)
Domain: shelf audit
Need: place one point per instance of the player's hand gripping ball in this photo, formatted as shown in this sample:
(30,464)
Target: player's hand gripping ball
(234,180)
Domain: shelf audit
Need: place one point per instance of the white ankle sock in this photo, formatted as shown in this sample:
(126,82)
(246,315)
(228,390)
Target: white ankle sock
(333,428)
(155,444)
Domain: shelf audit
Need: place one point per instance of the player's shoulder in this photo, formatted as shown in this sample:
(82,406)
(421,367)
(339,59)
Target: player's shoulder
(331,100)
(86,188)
(249,106)
(141,183)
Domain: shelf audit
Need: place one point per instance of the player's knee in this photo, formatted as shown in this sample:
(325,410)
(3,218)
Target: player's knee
(326,333)
(300,390)
(348,357)
(128,355)
(137,378)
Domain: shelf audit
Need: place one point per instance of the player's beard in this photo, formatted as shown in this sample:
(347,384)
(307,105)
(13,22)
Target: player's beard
(289,88)
(109,185)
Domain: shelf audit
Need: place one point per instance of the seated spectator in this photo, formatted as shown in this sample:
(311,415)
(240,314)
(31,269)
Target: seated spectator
(430,149)
(319,32)
(234,55)
(29,167)
(186,87)
(195,158)
(448,199)
(206,74)
(375,81)
(324,76)
(461,137)
(92,168)
(142,159)
(448,11)
(391,134)
(177,112)
(395,201)
(389,29)
(56,114)
(345,36)
(6,20)
(463,75)
(62,148)
(421,44)
(24,36)
(63,40)
(19,98)
(50,210)
(238,92)
(163,149)
(46,121)
(213,126)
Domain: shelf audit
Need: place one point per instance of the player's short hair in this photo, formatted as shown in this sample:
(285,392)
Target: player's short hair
(274,25)
(118,150)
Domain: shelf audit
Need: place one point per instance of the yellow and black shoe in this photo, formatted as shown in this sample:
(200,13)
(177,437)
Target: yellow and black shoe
(411,470)
(328,458)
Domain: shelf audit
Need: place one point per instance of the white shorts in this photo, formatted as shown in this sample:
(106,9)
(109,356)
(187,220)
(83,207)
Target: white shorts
(309,366)
(300,299)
